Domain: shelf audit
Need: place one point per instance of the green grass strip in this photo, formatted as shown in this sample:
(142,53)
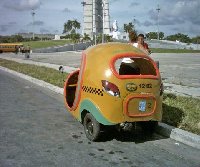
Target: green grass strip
(46,44)
(52,43)
(178,111)
(182,112)
(49,75)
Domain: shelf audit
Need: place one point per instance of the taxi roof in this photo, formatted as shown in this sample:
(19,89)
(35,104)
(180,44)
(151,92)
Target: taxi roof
(109,50)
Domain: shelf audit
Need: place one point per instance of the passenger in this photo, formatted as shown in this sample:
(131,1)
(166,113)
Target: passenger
(142,45)
(128,66)
(132,41)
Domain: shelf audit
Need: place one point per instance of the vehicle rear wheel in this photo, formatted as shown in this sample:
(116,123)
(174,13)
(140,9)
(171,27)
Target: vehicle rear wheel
(91,127)
(1,51)
(149,126)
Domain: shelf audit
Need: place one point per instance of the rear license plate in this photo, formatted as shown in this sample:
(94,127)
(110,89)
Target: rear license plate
(142,106)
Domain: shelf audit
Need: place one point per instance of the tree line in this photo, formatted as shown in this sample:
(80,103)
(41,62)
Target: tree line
(18,38)
(154,35)
(71,26)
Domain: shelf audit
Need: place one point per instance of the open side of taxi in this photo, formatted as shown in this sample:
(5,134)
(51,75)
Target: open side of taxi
(116,84)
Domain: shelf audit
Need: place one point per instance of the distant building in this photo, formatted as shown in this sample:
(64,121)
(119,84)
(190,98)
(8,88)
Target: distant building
(94,20)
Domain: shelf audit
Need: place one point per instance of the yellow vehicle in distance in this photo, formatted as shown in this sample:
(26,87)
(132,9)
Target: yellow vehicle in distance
(117,84)
(12,47)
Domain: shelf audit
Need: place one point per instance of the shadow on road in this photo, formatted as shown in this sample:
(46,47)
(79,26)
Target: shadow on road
(136,136)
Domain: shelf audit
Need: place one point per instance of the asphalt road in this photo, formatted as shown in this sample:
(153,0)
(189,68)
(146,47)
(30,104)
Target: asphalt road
(36,131)
(180,72)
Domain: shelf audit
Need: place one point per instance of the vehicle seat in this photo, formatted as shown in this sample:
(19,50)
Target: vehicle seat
(129,69)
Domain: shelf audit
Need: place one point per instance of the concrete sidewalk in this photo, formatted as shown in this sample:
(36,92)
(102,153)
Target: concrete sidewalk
(30,61)
(180,72)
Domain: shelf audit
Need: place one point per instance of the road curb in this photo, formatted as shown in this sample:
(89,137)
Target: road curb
(163,129)
(180,135)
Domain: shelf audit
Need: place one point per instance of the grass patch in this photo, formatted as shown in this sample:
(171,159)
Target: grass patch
(182,112)
(52,43)
(162,50)
(43,73)
(45,44)
(178,111)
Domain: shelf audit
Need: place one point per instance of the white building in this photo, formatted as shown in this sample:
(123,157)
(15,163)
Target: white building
(96,17)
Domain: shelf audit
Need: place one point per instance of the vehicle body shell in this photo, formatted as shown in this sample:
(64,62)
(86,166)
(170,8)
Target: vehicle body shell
(140,97)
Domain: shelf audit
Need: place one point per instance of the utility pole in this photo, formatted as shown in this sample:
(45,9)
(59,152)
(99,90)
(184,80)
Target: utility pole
(83,3)
(33,17)
(134,22)
(103,29)
(158,10)
(103,19)
(95,34)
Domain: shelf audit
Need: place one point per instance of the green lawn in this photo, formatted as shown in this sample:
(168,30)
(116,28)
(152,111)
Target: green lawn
(51,43)
(45,44)
(178,111)
(43,73)
(182,112)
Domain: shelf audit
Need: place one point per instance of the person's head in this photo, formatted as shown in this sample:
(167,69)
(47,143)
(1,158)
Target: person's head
(132,36)
(140,38)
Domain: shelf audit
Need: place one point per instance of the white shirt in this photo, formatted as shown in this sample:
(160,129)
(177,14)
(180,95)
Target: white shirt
(135,44)
(128,60)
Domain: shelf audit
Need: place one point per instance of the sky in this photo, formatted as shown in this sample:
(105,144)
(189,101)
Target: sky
(175,16)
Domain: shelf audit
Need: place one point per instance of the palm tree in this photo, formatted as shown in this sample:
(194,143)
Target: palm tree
(76,25)
(71,26)
(128,27)
(68,26)
(86,37)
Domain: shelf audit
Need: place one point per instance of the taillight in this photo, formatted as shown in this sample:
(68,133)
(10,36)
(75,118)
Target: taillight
(110,88)
(161,89)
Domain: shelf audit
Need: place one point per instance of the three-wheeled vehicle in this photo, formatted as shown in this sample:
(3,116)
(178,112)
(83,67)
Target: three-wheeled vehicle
(116,84)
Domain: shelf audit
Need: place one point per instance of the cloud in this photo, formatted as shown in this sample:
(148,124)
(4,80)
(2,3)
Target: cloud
(22,5)
(180,12)
(36,23)
(66,10)
(43,30)
(189,10)
(23,31)
(136,22)
(12,23)
(147,23)
(56,31)
(112,1)
(192,29)
(133,4)
(170,21)
(6,27)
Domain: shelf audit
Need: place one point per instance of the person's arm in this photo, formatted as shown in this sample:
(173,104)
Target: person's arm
(142,48)
(147,48)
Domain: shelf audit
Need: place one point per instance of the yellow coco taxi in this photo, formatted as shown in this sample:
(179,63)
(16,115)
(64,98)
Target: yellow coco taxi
(116,84)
